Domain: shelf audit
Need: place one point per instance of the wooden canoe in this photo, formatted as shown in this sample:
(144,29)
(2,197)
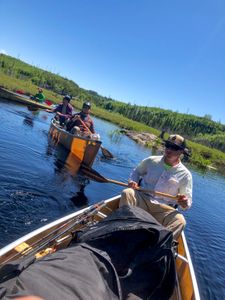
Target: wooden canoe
(84,149)
(9,95)
(58,234)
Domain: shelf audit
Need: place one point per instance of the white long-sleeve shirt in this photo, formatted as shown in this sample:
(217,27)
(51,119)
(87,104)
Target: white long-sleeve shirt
(157,177)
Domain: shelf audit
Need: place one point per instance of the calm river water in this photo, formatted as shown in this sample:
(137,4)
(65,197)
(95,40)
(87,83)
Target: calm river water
(37,186)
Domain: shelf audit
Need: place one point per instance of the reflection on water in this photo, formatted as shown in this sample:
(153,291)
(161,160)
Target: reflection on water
(29,118)
(28,121)
(80,200)
(66,162)
(33,109)
(115,136)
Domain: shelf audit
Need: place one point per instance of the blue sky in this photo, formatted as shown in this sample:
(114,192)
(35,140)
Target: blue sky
(168,54)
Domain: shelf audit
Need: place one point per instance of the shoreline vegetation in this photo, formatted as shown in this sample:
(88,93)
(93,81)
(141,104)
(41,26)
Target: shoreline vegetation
(132,119)
(201,157)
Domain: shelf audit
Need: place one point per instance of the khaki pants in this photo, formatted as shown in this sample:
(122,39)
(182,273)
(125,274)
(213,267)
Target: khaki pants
(164,214)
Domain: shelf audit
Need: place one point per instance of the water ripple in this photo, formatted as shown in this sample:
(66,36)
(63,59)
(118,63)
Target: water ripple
(38,185)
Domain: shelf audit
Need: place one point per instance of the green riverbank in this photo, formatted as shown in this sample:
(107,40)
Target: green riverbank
(202,156)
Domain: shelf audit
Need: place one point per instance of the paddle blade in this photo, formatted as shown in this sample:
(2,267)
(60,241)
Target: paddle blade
(92,174)
(106,153)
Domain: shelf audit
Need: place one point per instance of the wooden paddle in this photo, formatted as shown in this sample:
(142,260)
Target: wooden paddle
(92,174)
(106,153)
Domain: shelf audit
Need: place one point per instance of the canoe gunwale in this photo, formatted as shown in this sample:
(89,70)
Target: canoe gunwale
(53,124)
(36,232)
(191,267)
(12,96)
(73,216)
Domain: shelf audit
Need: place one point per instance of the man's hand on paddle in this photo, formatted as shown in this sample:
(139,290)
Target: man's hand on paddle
(76,117)
(182,200)
(133,185)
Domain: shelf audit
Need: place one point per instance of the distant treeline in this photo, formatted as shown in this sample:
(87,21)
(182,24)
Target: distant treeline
(21,70)
(200,129)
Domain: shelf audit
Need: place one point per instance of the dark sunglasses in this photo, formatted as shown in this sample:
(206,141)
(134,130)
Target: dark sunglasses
(172,147)
(86,106)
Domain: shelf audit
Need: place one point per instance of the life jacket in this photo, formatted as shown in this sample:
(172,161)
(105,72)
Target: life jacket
(85,118)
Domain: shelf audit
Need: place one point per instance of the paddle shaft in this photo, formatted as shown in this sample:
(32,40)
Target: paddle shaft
(104,150)
(84,124)
(91,173)
(144,190)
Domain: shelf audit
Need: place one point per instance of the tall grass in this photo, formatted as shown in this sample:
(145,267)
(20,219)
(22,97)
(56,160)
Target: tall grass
(202,156)
(14,84)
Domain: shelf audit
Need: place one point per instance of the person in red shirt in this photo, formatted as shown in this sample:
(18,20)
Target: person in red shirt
(81,123)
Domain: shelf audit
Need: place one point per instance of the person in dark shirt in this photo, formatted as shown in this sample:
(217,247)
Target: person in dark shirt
(63,111)
(81,123)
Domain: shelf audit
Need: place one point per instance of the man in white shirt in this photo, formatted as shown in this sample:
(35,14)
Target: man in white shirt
(164,174)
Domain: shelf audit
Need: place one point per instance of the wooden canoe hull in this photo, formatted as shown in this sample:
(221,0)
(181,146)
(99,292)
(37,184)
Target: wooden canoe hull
(84,149)
(9,95)
(59,232)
